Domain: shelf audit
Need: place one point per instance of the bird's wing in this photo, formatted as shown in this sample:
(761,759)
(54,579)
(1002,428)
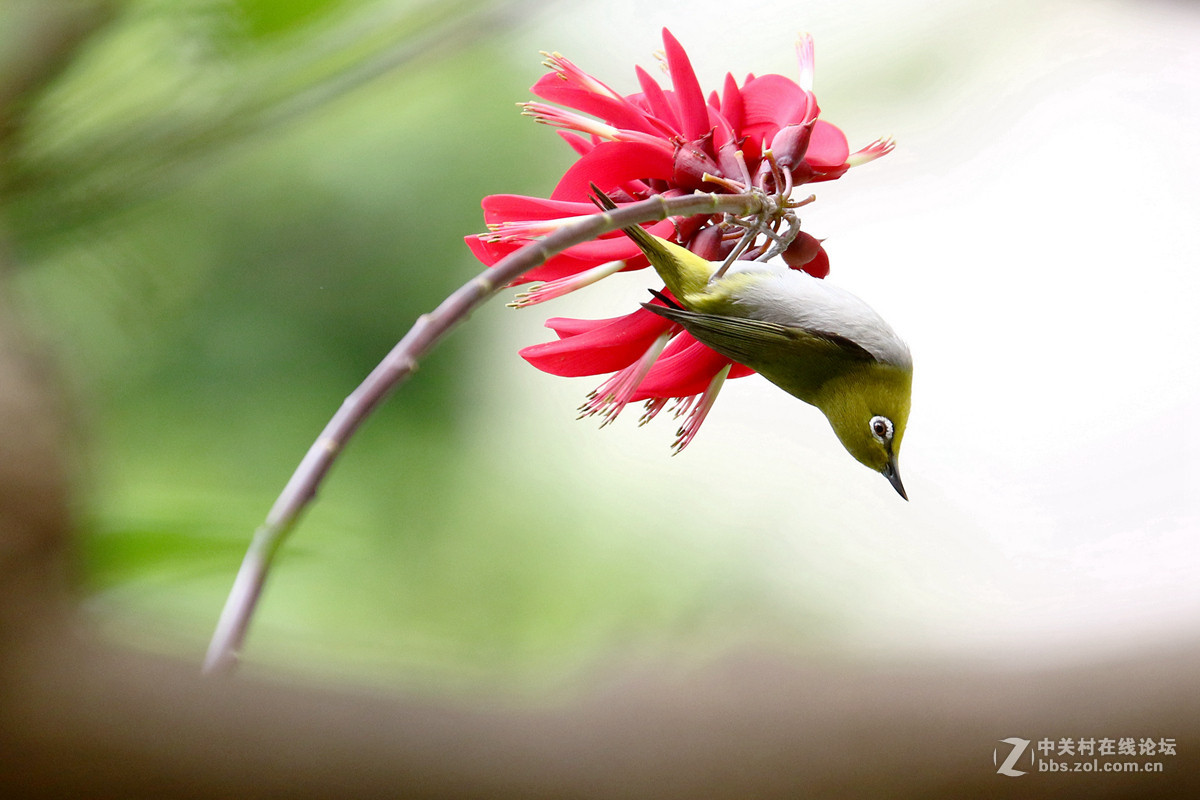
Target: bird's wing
(748,340)
(796,300)
(797,360)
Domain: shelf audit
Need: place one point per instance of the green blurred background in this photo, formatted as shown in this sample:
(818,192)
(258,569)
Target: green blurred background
(223,213)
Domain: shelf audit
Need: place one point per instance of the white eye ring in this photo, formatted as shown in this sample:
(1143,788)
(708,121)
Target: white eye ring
(882,429)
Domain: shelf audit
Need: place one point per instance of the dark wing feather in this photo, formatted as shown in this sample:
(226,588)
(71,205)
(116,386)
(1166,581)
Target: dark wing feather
(797,360)
(750,337)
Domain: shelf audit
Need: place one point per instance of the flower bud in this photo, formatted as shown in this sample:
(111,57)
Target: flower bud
(806,253)
(790,144)
(707,244)
(691,165)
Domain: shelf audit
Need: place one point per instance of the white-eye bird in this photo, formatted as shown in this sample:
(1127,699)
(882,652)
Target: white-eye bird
(808,337)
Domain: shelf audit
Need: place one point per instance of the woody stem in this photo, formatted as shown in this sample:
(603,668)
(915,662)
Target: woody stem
(398,365)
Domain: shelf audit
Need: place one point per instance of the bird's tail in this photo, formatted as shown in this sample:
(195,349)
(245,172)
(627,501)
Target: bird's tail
(683,271)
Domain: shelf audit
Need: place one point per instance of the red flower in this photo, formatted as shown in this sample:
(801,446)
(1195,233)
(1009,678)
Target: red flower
(669,142)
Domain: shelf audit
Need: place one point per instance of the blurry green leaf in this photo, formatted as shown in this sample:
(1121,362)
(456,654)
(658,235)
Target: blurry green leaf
(267,17)
(116,557)
(159,91)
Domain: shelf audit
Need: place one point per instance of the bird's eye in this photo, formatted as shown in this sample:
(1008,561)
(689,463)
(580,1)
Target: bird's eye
(881,429)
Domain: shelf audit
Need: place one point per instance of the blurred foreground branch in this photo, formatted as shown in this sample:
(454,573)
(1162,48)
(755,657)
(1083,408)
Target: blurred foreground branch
(39,40)
(208,96)
(81,720)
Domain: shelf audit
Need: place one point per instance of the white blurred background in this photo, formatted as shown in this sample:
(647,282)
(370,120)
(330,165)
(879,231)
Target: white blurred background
(1033,237)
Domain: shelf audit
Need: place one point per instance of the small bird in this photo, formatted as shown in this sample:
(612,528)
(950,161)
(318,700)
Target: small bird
(808,337)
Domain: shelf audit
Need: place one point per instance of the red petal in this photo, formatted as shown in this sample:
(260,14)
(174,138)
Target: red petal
(771,102)
(583,257)
(677,345)
(618,112)
(613,164)
(573,260)
(579,144)
(518,207)
(606,348)
(819,266)
(566,326)
(732,106)
(706,243)
(481,250)
(687,371)
(803,249)
(723,131)
(656,98)
(689,99)
(827,148)
(727,157)
(569,262)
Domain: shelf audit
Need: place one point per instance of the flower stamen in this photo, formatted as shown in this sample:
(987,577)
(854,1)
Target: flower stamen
(782,178)
(740,158)
(653,406)
(732,186)
(557,117)
(557,288)
(612,396)
(688,430)
(752,231)
(876,149)
(568,71)
(514,230)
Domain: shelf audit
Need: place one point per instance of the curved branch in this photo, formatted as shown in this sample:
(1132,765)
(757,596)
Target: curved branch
(396,366)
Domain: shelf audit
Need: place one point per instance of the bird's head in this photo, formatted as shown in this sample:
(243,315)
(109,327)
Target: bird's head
(868,409)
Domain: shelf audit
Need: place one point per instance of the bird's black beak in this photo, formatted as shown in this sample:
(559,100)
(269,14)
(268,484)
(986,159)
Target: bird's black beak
(892,473)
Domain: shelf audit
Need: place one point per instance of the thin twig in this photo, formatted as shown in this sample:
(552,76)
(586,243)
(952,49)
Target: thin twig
(396,366)
(749,236)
